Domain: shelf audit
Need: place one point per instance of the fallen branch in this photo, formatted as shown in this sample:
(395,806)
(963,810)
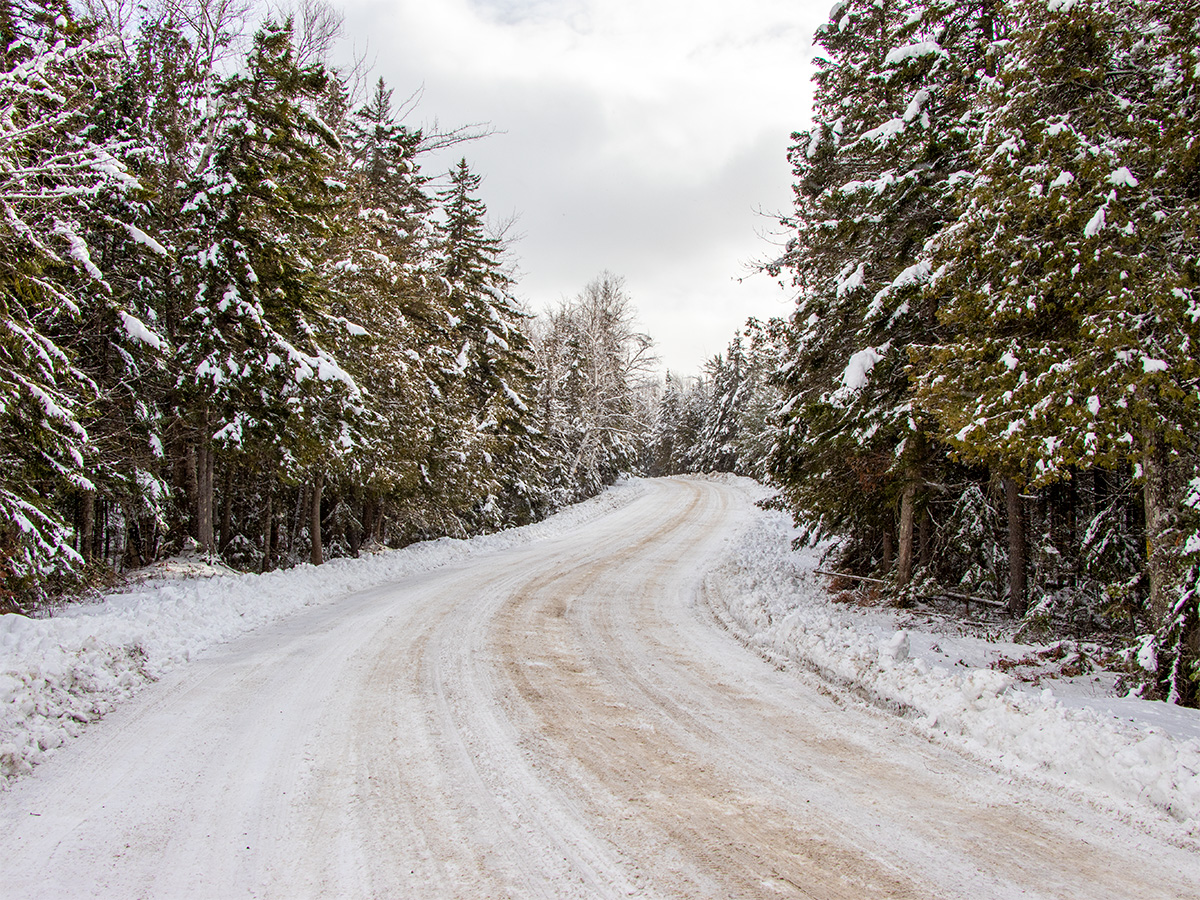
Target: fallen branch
(952,595)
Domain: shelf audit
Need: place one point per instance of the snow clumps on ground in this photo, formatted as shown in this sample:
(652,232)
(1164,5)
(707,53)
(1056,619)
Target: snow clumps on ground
(1139,759)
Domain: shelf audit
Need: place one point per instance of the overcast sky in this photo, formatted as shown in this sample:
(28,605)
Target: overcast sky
(644,137)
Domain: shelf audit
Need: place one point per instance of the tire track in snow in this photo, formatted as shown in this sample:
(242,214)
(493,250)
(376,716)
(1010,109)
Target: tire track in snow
(558,720)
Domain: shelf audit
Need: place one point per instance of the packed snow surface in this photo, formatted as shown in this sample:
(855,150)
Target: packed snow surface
(60,673)
(650,695)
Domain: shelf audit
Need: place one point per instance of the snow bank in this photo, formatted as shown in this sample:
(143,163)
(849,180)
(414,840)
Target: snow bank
(61,673)
(771,598)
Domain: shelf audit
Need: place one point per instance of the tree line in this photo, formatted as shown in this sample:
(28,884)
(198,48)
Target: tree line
(991,381)
(238,316)
(237,312)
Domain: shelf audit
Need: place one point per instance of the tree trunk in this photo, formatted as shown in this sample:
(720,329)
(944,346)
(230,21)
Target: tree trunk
(297,520)
(315,523)
(904,559)
(135,556)
(1016,547)
(1162,554)
(87,525)
(204,490)
(368,517)
(268,529)
(913,477)
(925,539)
(226,510)
(354,528)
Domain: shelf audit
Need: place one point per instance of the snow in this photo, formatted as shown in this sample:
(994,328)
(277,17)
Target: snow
(139,331)
(1133,757)
(885,132)
(858,369)
(144,239)
(78,250)
(1096,223)
(60,673)
(917,104)
(1138,758)
(915,275)
(1122,178)
(850,281)
(913,51)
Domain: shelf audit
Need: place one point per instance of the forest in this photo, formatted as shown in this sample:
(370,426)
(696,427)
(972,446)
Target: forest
(240,317)
(989,385)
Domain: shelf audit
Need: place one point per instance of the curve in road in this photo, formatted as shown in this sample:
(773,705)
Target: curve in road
(562,720)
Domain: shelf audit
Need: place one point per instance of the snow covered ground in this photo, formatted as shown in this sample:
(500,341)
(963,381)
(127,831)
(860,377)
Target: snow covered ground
(60,673)
(1136,757)
(555,712)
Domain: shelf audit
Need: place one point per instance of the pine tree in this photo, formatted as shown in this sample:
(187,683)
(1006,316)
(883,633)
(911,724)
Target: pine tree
(119,340)
(756,432)
(486,363)
(1068,281)
(393,306)
(663,441)
(255,377)
(52,160)
(874,183)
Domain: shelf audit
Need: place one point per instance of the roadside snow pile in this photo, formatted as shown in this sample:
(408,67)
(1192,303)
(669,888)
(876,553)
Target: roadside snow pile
(60,673)
(771,598)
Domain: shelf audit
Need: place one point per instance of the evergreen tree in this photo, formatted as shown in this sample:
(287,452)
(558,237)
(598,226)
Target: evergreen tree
(393,306)
(486,365)
(255,377)
(52,162)
(1069,280)
(663,441)
(120,340)
(729,391)
(874,183)
(756,431)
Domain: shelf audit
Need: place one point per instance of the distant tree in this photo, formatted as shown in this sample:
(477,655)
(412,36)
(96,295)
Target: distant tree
(594,364)
(664,443)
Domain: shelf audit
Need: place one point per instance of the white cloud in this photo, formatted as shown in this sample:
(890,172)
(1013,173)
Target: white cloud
(638,136)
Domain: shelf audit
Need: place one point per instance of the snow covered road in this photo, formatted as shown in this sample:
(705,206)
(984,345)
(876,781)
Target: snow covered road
(563,719)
